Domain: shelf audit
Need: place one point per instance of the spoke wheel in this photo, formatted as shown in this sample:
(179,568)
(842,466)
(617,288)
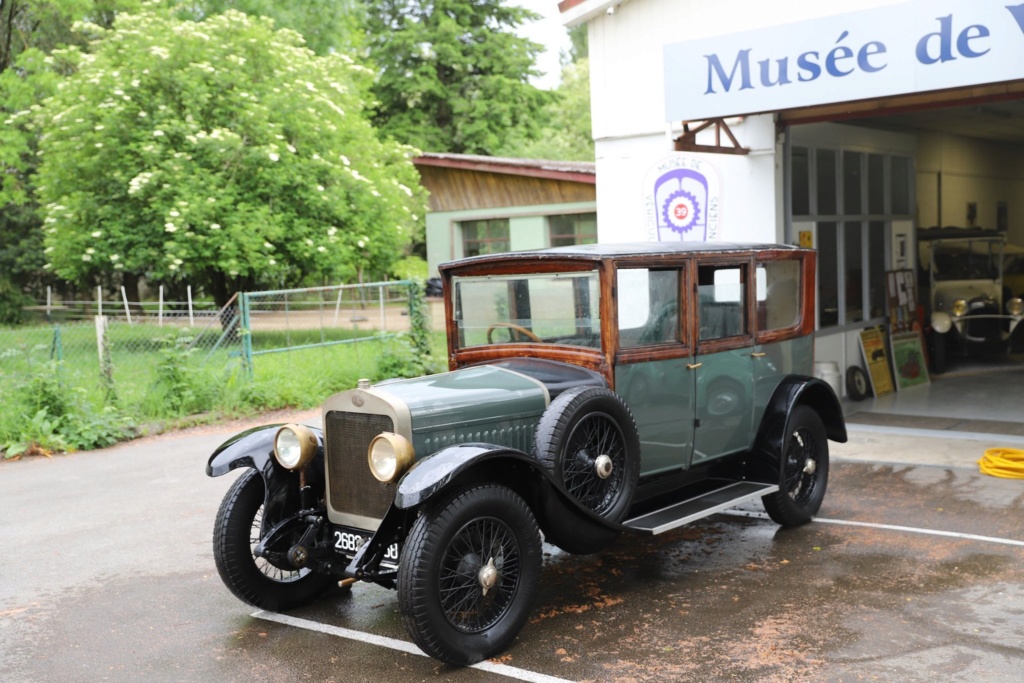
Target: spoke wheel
(482,548)
(595,435)
(469,573)
(236,533)
(803,470)
(588,440)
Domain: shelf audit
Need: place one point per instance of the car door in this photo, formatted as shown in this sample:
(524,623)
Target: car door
(724,365)
(651,363)
(783,347)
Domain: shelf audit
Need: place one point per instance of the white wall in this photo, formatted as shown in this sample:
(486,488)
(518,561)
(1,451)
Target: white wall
(628,102)
(626,50)
(751,199)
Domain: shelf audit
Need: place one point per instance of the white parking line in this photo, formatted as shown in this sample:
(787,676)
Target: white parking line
(400,645)
(891,527)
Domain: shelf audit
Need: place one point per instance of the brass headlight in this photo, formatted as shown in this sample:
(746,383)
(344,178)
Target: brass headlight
(959,307)
(294,446)
(390,455)
(1015,306)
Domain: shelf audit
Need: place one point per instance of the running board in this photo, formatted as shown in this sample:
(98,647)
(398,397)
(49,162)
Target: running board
(698,507)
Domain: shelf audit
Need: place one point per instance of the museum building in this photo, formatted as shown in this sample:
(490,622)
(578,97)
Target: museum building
(849,126)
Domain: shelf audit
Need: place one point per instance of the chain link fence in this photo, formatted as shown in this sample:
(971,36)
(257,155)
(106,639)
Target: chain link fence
(134,352)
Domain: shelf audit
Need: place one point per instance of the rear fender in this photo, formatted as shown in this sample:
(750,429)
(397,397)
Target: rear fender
(794,390)
(255,448)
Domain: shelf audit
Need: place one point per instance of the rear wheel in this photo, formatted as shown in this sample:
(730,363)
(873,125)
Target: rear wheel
(236,533)
(469,573)
(803,470)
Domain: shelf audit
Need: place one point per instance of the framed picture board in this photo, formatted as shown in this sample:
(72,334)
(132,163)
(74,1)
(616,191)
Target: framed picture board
(902,299)
(908,360)
(872,345)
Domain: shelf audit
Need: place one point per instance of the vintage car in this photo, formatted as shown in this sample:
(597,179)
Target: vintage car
(593,391)
(972,312)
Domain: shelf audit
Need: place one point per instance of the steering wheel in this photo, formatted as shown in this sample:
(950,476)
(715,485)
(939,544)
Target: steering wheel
(516,328)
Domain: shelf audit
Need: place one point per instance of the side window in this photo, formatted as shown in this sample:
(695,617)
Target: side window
(648,306)
(778,294)
(722,295)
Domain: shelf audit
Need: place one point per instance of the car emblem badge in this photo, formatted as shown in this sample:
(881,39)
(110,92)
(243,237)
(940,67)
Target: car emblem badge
(357,400)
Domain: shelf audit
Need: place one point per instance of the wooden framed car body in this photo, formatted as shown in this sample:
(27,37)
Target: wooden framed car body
(593,391)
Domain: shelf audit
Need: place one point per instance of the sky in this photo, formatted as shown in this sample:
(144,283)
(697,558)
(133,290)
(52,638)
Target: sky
(549,32)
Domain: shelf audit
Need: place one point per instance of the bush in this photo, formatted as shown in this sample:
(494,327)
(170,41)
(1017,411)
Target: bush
(181,387)
(48,416)
(410,268)
(12,302)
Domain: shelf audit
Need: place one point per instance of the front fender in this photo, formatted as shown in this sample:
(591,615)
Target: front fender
(255,448)
(560,515)
(435,472)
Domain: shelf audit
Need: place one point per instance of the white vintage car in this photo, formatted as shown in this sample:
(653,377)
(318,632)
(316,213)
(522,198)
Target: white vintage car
(971,313)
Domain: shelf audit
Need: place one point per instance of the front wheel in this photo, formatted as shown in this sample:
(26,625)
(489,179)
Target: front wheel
(469,573)
(939,361)
(803,471)
(236,532)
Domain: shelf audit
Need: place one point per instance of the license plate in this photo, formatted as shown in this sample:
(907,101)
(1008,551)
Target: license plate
(348,541)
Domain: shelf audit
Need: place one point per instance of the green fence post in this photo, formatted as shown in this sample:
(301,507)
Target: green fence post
(246,334)
(58,348)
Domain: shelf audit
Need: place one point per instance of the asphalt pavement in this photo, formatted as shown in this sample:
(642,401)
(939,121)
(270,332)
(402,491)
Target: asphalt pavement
(913,572)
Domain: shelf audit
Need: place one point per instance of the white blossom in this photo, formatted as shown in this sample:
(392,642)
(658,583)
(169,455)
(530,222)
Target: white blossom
(214,226)
(158,133)
(274,156)
(97,233)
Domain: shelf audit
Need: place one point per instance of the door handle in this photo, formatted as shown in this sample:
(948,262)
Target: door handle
(761,354)
(693,366)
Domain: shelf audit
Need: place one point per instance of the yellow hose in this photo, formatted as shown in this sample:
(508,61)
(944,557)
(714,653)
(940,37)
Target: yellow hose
(1003,462)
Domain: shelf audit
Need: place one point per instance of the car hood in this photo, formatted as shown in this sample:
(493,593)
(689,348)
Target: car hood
(467,396)
(945,293)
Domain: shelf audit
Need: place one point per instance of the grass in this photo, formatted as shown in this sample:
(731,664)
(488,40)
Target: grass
(169,376)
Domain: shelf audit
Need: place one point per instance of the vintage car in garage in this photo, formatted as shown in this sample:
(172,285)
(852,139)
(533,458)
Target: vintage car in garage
(593,391)
(973,311)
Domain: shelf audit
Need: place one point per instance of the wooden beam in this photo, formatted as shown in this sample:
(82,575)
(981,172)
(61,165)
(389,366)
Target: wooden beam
(687,142)
(901,104)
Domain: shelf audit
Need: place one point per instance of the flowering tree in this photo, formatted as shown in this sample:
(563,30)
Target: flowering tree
(221,152)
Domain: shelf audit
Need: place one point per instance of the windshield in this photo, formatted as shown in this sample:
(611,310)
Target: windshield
(967,259)
(551,308)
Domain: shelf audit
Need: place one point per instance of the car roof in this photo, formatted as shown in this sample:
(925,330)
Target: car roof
(598,252)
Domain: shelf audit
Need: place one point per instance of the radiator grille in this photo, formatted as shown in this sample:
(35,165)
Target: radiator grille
(985,328)
(354,490)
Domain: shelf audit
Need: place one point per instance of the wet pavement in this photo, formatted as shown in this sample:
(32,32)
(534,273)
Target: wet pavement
(914,571)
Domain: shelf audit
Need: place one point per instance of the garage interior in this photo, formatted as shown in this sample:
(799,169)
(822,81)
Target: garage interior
(968,172)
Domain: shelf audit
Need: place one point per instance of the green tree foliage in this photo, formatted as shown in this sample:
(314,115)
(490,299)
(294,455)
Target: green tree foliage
(326,25)
(222,152)
(566,133)
(453,73)
(29,31)
(47,24)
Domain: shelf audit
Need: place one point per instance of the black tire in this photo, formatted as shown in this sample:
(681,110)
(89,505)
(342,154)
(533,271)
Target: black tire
(800,491)
(579,426)
(252,579)
(857,386)
(939,361)
(440,595)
